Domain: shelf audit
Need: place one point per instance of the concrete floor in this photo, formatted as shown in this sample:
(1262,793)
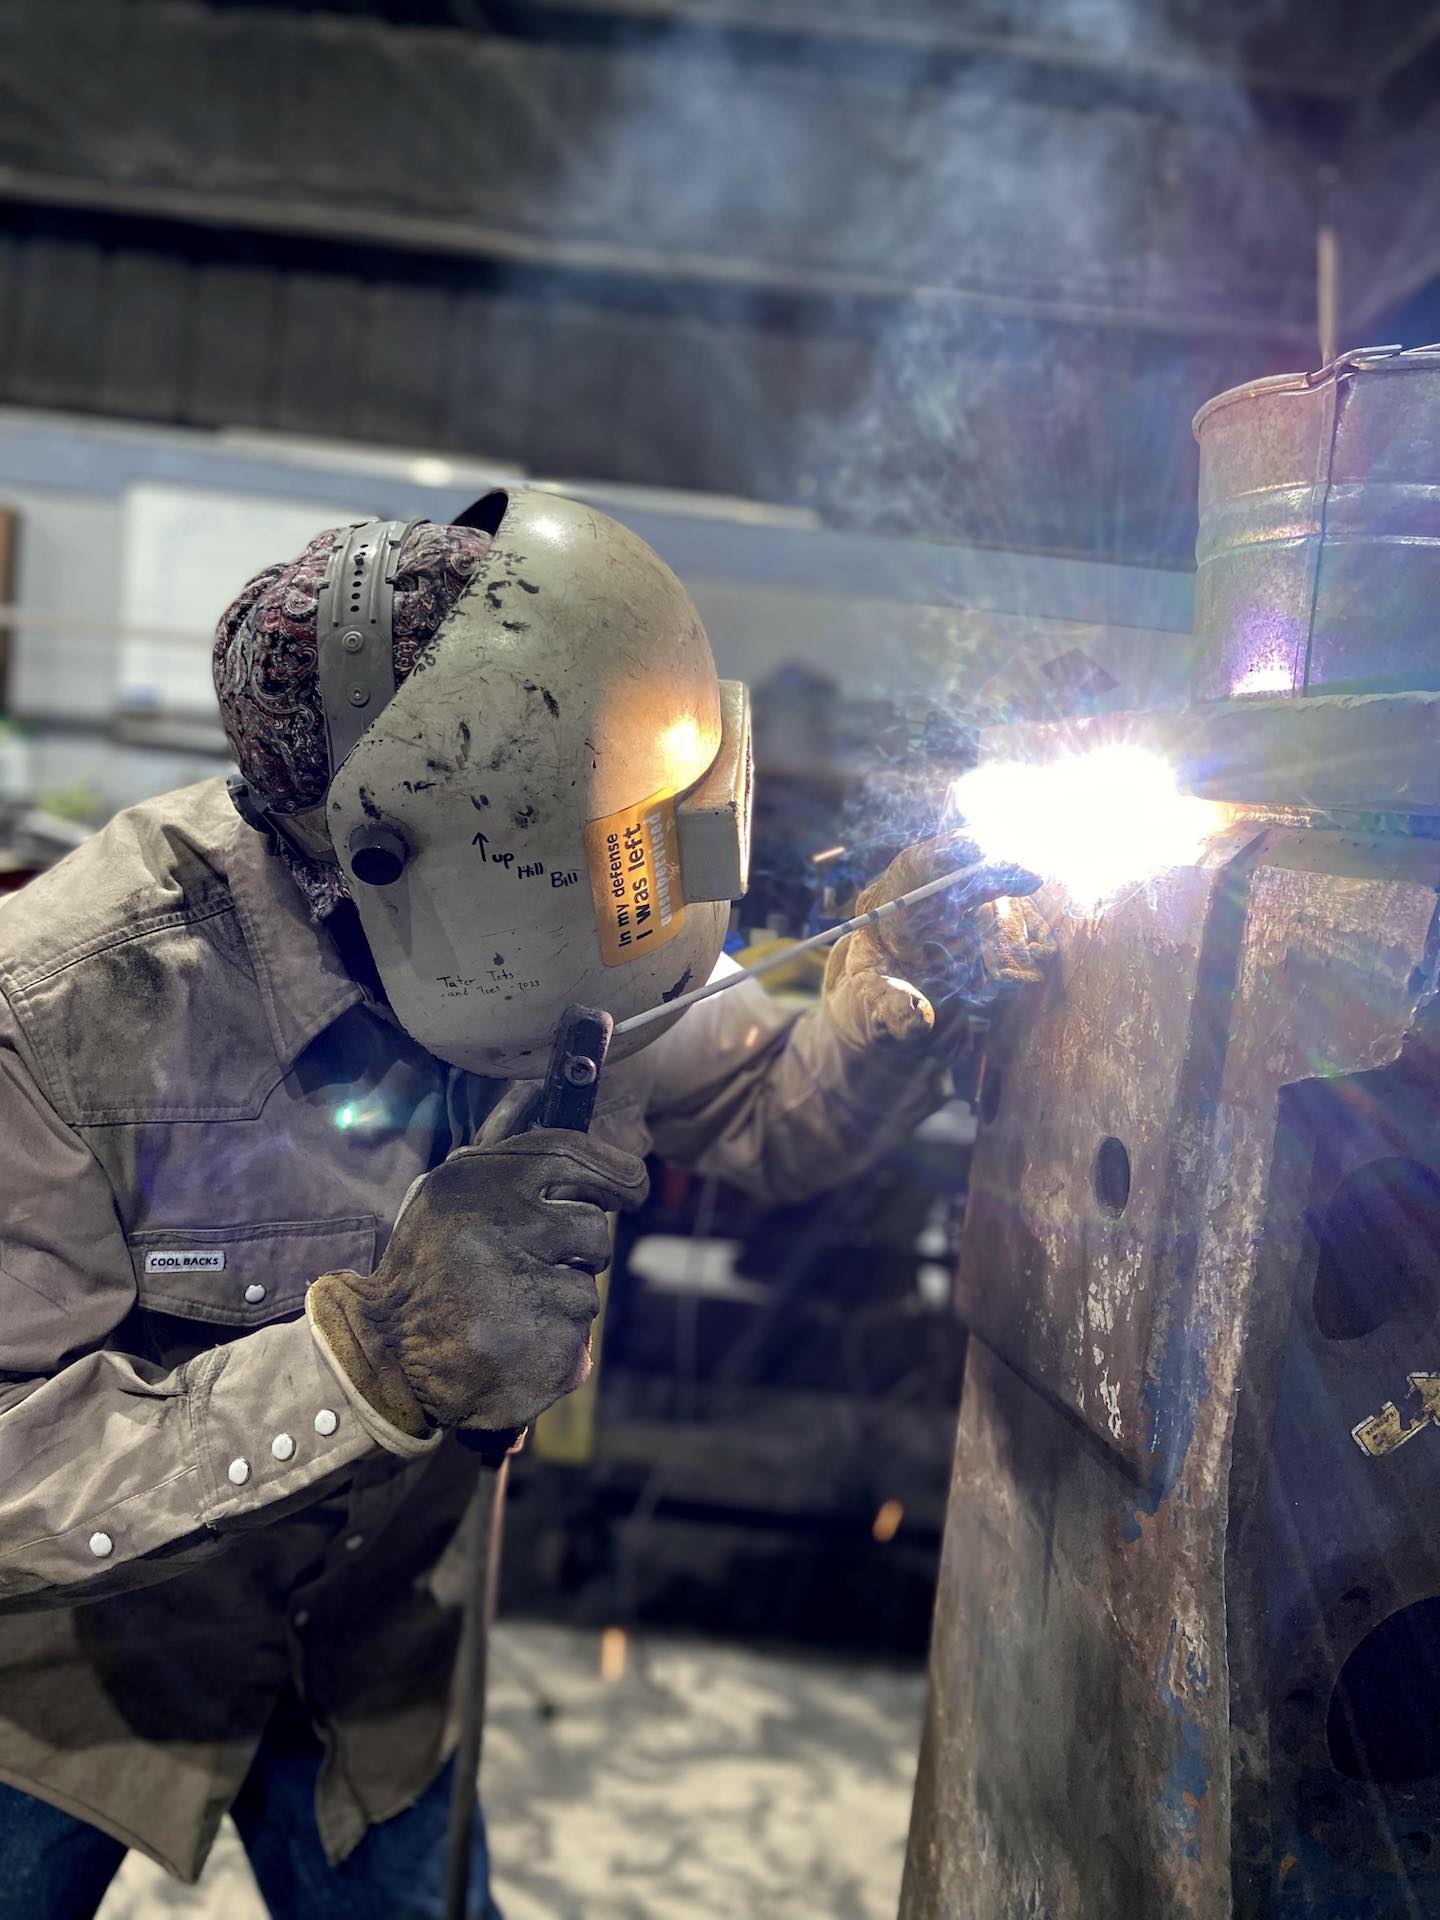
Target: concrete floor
(709,1782)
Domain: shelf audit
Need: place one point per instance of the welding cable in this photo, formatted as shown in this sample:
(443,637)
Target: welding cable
(481,1604)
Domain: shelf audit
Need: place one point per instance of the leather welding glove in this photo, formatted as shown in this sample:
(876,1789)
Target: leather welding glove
(960,950)
(479,1313)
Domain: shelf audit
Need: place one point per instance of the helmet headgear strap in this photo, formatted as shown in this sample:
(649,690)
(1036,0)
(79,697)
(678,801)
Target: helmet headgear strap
(355,663)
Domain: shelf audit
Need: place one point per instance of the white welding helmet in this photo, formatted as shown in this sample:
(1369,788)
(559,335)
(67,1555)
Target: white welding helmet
(554,805)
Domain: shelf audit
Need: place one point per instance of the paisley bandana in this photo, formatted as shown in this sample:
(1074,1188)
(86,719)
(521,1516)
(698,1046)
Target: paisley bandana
(265,668)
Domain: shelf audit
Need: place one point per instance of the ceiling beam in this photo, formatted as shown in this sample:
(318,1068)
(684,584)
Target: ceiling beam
(1422,37)
(469,240)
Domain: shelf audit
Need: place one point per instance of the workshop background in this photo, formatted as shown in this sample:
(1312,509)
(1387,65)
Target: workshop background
(884,322)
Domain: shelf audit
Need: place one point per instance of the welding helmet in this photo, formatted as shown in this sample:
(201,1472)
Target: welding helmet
(553,806)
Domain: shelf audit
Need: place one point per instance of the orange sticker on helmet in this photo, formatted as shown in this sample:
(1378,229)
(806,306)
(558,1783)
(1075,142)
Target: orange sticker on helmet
(635,873)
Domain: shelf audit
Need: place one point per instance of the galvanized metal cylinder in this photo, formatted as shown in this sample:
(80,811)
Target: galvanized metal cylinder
(1318,558)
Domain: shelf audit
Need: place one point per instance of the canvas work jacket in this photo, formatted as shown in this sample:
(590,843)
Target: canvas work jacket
(199,1113)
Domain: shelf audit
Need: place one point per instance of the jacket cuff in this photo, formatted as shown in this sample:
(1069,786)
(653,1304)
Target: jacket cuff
(268,1422)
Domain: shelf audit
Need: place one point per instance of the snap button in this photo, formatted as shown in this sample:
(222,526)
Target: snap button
(101,1545)
(354,1542)
(282,1446)
(326,1421)
(238,1472)
(302,1618)
(254,1293)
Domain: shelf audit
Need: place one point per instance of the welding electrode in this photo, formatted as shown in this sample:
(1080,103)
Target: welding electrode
(825,939)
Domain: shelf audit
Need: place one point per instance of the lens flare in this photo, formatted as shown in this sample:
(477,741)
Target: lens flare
(682,749)
(1093,823)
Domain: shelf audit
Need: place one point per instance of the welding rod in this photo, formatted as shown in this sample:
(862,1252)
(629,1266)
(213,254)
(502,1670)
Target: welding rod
(825,939)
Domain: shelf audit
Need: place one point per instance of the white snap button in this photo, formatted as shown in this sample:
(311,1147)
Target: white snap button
(282,1446)
(354,1542)
(254,1293)
(101,1545)
(326,1421)
(239,1472)
(302,1618)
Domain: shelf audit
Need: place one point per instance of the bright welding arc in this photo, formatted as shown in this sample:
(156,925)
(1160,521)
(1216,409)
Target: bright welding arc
(1093,823)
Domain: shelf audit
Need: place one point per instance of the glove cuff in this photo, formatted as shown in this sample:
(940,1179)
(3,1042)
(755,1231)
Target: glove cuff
(373,1381)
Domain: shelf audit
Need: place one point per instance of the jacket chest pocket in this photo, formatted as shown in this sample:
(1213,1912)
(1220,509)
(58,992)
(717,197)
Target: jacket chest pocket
(243,1276)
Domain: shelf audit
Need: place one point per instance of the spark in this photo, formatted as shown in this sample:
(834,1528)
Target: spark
(826,853)
(886,1523)
(612,1654)
(1093,823)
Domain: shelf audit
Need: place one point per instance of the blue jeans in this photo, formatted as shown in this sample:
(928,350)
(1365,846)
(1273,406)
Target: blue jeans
(52,1864)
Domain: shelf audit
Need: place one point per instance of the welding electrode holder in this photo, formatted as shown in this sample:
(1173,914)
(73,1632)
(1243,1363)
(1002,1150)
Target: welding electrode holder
(572,1081)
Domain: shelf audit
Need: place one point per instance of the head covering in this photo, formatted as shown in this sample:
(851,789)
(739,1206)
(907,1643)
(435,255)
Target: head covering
(265,668)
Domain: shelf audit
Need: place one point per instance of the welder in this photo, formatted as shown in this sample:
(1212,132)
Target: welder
(275,1236)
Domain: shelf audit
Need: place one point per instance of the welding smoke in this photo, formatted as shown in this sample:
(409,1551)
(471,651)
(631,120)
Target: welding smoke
(954,274)
(958,275)
(874,216)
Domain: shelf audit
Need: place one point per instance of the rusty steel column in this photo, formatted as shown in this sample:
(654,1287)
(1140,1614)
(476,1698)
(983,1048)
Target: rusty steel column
(1186,1662)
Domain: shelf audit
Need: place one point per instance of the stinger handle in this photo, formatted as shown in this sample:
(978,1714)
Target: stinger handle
(567,1099)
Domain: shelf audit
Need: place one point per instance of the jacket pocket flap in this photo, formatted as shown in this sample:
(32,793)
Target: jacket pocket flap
(243,1276)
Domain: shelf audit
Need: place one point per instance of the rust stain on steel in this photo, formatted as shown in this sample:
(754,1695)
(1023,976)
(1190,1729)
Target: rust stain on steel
(1083,1287)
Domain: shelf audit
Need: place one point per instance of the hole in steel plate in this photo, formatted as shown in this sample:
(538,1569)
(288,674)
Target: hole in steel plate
(1112,1175)
(1379,1253)
(1384,1718)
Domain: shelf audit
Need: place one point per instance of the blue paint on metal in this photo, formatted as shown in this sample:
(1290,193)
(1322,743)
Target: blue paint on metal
(1314,1884)
(1172,1395)
(1188,1780)
(1174,1391)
